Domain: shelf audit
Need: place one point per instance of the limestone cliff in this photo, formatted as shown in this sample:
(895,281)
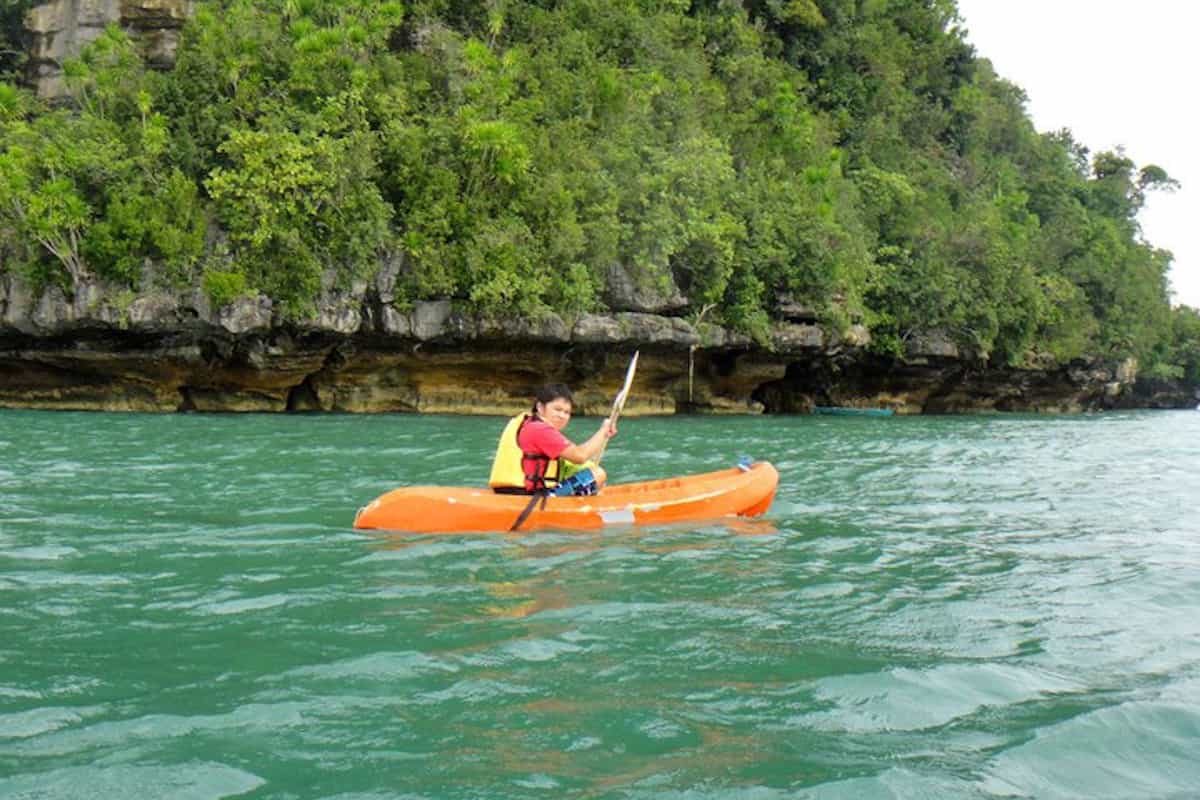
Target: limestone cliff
(169,350)
(58,31)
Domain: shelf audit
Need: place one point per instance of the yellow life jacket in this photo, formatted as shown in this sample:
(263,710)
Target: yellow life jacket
(507,469)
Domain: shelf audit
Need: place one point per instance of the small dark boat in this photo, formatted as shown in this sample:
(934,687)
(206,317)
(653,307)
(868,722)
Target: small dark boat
(848,411)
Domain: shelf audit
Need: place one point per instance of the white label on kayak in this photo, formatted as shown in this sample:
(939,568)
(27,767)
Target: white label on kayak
(451,500)
(620,516)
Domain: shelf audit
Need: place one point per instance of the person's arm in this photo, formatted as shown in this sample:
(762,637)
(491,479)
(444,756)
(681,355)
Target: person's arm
(579,453)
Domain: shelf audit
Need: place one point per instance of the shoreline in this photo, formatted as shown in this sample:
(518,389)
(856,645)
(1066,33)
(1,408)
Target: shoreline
(168,350)
(284,371)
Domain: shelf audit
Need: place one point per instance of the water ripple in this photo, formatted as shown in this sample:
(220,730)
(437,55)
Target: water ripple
(960,607)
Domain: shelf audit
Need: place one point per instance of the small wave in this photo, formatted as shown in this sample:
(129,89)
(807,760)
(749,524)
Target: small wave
(372,668)
(196,780)
(1135,749)
(910,700)
(245,604)
(43,553)
(475,691)
(37,721)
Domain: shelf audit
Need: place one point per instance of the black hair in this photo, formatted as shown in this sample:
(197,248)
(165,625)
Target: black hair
(551,392)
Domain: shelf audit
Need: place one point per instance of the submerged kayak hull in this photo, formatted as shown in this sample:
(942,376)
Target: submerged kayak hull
(444,509)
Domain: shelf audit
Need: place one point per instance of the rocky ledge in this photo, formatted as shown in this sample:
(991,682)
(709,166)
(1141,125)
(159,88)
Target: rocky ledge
(169,350)
(59,30)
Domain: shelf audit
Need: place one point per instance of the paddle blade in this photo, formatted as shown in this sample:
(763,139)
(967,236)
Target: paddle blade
(623,395)
(619,401)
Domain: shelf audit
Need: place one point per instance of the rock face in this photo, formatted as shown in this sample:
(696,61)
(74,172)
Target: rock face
(933,384)
(626,290)
(162,351)
(60,30)
(168,350)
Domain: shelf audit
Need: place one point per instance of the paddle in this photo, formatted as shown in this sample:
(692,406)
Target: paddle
(619,401)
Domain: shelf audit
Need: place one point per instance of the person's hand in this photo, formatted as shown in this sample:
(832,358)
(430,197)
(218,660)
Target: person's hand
(610,428)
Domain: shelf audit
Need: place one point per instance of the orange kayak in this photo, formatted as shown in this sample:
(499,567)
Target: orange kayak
(444,509)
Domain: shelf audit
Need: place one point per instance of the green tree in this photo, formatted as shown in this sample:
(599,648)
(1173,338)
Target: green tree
(93,187)
(1181,355)
(852,155)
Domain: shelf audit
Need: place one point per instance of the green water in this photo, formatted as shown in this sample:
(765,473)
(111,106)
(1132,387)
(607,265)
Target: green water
(935,607)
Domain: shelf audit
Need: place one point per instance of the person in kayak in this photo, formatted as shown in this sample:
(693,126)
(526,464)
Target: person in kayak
(534,457)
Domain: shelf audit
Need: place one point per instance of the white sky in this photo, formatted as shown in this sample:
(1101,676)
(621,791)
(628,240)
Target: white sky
(1116,73)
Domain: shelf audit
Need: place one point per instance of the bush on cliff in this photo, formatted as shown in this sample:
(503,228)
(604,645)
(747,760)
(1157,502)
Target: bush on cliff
(93,191)
(856,157)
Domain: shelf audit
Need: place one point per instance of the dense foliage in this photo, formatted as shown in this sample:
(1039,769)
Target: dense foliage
(852,155)
(12,51)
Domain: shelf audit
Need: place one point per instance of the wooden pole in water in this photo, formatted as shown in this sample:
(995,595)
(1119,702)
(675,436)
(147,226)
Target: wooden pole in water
(691,371)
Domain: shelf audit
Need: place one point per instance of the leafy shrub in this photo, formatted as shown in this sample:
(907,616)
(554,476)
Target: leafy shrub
(223,287)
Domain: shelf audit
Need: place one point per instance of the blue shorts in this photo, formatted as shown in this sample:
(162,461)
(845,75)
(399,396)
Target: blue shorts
(578,483)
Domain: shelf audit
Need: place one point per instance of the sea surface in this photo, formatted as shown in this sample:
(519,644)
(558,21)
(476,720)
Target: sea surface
(962,607)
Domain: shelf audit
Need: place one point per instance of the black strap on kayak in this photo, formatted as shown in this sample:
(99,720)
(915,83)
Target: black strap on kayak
(541,494)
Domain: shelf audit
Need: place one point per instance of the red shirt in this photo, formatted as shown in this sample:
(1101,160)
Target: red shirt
(540,438)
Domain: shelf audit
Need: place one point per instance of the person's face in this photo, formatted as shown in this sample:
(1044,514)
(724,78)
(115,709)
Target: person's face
(557,412)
